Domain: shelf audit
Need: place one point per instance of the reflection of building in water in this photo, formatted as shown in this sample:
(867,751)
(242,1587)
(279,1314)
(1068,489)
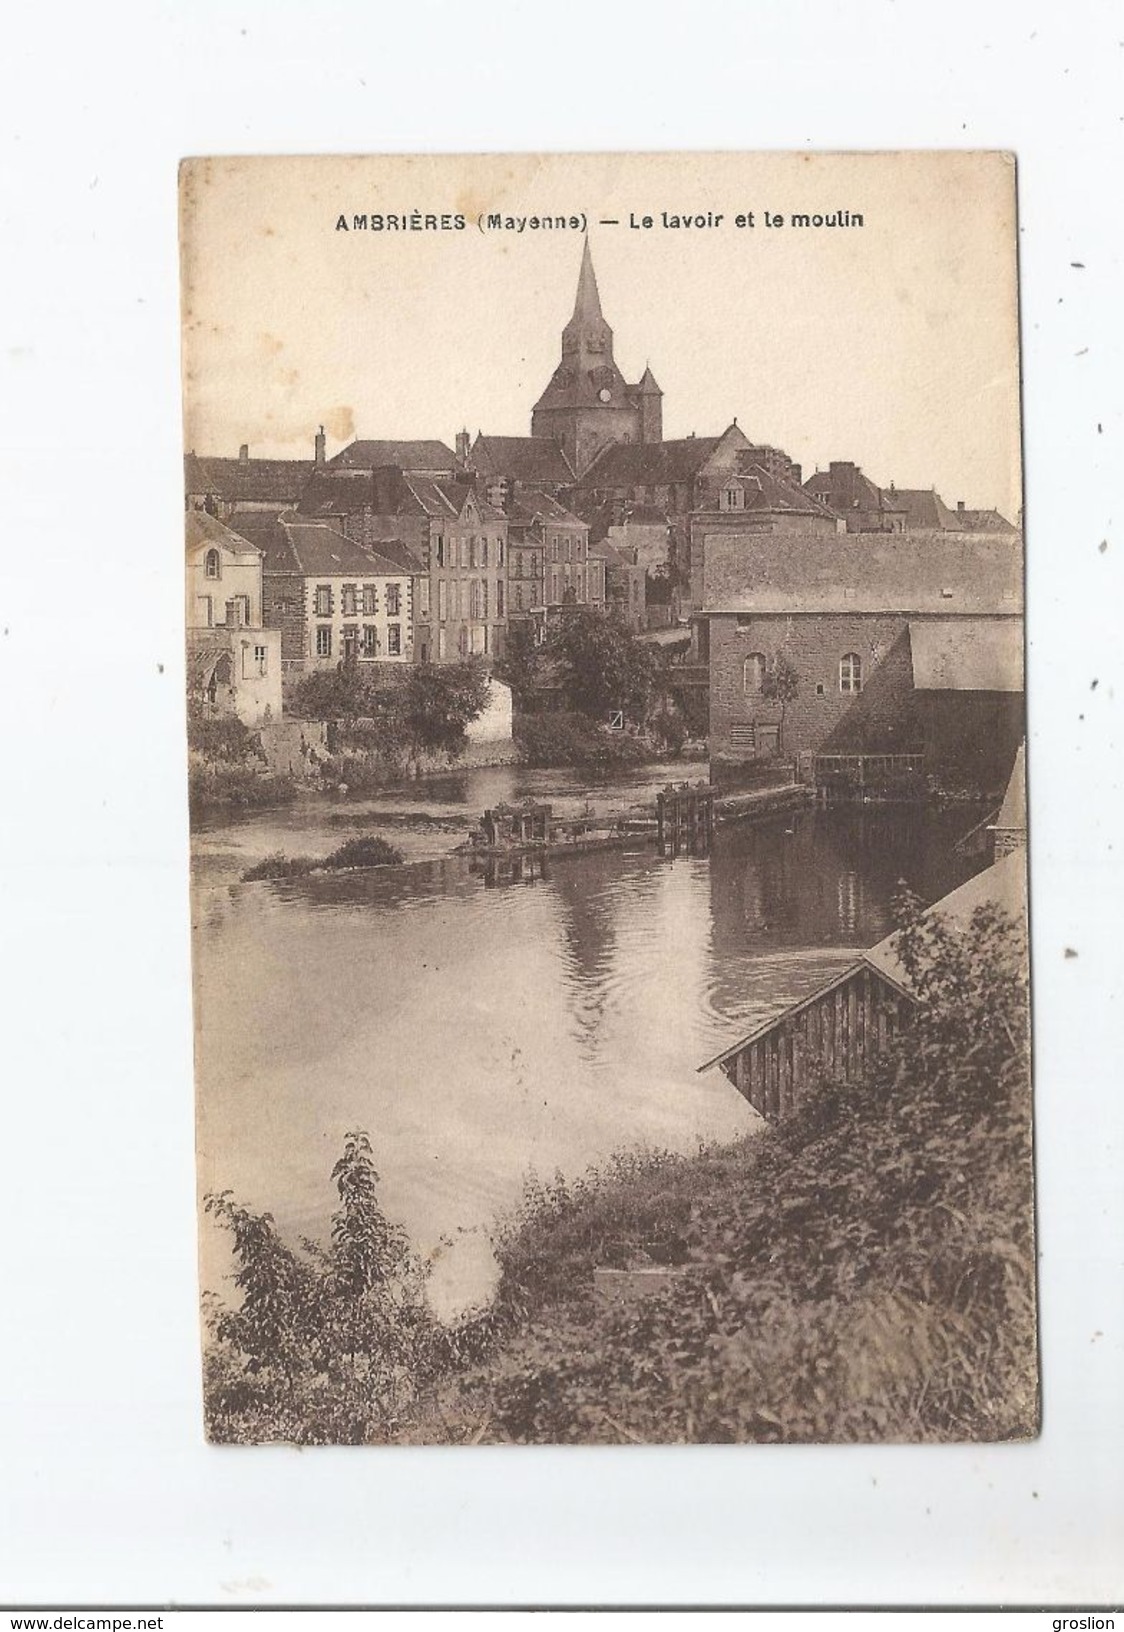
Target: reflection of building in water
(496,871)
(849,886)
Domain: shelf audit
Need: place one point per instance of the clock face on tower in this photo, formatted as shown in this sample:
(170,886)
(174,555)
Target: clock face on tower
(604,395)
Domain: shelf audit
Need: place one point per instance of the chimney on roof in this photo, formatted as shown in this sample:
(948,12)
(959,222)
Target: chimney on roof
(320,447)
(244,454)
(462,449)
(960,507)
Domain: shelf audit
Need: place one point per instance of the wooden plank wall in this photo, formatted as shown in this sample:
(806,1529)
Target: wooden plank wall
(834,1036)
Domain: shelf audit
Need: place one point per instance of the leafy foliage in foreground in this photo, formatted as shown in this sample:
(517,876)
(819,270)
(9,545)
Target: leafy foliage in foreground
(327,1346)
(863,1271)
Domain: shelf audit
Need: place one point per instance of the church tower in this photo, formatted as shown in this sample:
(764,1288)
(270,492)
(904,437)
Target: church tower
(588,406)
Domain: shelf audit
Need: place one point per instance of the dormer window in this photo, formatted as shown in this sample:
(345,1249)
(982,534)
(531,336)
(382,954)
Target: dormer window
(212,564)
(733,497)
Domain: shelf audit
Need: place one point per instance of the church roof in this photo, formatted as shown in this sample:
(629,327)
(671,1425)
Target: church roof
(647,382)
(427,456)
(523,458)
(633,464)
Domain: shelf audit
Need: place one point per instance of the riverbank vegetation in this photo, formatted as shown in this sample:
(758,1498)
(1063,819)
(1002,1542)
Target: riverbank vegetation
(227,768)
(862,1271)
(367,850)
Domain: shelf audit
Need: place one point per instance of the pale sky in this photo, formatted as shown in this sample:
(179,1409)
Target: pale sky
(893,344)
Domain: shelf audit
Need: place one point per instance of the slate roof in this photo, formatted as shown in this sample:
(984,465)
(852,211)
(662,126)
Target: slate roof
(870,497)
(924,508)
(765,492)
(985,521)
(635,464)
(294,544)
(261,481)
(340,492)
(908,573)
(528,508)
(446,498)
(427,457)
(201,528)
(967,654)
(523,458)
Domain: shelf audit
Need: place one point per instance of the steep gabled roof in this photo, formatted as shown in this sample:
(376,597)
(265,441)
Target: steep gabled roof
(249,481)
(446,499)
(200,529)
(426,457)
(522,458)
(924,508)
(765,492)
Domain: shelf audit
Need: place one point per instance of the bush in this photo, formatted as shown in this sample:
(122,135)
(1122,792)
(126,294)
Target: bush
(546,740)
(238,787)
(327,1346)
(222,737)
(368,850)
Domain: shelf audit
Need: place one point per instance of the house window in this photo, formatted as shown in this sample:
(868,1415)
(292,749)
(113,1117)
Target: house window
(483,552)
(442,643)
(554,549)
(851,672)
(472,551)
(464,552)
(324,640)
(753,672)
(423,597)
(393,640)
(483,612)
(261,660)
(518,603)
(323,600)
(733,498)
(205,614)
(499,597)
(394,600)
(440,551)
(212,564)
(349,642)
(370,600)
(478,634)
(348,602)
(370,646)
(443,600)
(499,552)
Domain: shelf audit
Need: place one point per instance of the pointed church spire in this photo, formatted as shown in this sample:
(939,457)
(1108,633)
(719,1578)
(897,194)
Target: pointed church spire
(587,302)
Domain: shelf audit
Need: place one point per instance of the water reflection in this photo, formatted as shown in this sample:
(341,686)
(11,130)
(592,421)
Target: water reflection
(482,1021)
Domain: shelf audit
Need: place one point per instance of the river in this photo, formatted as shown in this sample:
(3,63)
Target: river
(482,1030)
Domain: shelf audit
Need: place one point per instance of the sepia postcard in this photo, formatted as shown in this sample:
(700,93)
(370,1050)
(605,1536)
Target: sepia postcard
(606,713)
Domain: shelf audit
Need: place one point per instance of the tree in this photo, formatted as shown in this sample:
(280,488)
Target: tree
(521,665)
(781,684)
(439,701)
(602,666)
